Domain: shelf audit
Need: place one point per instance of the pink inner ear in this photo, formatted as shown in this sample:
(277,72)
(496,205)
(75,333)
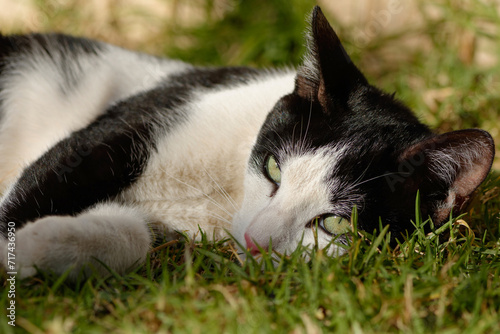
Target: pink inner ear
(468,181)
(461,193)
(464,159)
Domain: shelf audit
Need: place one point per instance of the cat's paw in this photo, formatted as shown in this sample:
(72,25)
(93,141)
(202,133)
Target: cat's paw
(34,246)
(116,237)
(8,258)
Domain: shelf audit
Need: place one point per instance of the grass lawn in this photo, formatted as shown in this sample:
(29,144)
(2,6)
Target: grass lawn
(444,282)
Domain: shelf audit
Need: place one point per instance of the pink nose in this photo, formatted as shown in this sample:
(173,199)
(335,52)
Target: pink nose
(251,246)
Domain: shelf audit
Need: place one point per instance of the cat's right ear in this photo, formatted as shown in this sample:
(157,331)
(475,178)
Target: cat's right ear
(327,73)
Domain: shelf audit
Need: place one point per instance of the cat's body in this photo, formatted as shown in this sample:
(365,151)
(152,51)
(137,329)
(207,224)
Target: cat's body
(102,147)
(194,128)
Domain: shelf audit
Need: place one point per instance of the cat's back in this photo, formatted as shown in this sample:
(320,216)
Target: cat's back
(54,84)
(69,62)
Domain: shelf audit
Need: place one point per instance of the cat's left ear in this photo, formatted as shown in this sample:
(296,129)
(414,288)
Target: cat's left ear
(327,71)
(447,169)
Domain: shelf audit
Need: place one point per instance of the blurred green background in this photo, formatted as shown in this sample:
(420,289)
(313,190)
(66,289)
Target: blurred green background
(440,57)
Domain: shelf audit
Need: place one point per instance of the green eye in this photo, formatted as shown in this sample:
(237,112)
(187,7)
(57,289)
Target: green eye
(334,224)
(272,169)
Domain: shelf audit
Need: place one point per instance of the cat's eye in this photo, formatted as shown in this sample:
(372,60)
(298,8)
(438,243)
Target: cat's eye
(334,224)
(273,169)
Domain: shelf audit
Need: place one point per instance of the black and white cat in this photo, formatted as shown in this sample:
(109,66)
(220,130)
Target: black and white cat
(101,148)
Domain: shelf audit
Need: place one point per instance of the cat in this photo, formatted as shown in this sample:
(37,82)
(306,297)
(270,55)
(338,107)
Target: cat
(104,149)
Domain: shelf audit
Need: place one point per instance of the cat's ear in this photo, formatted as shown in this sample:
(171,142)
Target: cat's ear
(327,71)
(447,169)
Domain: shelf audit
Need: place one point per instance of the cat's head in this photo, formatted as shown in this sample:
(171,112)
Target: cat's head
(337,142)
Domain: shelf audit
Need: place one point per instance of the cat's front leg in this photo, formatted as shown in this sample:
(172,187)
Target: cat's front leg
(111,234)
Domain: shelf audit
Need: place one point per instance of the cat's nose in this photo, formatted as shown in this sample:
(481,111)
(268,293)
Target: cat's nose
(251,246)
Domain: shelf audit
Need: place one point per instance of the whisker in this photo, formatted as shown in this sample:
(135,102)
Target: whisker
(362,174)
(219,217)
(270,143)
(380,176)
(223,192)
(214,202)
(282,141)
(203,214)
(293,131)
(302,144)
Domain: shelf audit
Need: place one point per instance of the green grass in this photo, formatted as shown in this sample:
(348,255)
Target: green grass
(444,282)
(447,282)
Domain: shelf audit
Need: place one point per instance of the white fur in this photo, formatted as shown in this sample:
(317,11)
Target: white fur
(113,234)
(283,217)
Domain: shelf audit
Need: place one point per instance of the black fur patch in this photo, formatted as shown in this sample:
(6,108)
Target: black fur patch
(62,49)
(47,44)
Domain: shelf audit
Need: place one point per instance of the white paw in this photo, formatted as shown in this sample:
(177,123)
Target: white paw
(8,260)
(33,246)
(79,245)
